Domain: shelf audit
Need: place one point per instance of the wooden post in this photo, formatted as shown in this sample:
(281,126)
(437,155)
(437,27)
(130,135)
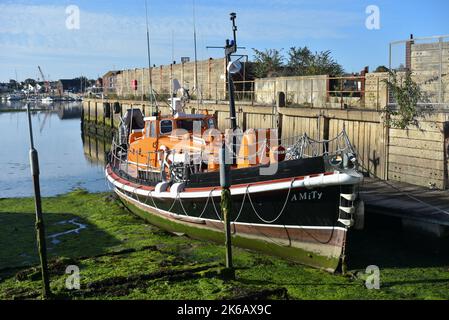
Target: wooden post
(377,94)
(226,209)
(341,93)
(280,103)
(311,93)
(253,92)
(40,229)
(216,92)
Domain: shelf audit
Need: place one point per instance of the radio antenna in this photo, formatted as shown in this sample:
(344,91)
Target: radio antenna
(198,93)
(149,62)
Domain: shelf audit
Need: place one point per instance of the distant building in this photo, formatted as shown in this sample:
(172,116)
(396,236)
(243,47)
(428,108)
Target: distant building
(69,85)
(99,84)
(3,87)
(110,82)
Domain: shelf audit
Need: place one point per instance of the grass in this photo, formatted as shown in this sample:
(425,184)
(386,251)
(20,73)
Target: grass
(122,257)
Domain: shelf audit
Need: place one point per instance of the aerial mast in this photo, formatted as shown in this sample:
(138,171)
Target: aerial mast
(230,49)
(196,57)
(149,59)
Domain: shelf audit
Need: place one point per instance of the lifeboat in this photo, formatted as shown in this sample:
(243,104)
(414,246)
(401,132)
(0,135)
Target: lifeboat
(297,201)
(296,198)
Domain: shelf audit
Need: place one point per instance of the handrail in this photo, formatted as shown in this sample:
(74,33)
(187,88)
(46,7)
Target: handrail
(302,147)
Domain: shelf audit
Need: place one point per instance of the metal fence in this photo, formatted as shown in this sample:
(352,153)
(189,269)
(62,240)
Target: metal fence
(428,61)
(315,92)
(176,165)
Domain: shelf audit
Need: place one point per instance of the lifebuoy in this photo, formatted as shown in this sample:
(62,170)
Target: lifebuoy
(277,154)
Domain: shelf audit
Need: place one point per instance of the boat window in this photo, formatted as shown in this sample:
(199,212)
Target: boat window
(190,125)
(166,126)
(185,124)
(211,123)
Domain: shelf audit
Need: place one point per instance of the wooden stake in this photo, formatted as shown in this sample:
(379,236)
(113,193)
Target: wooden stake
(40,229)
(226,209)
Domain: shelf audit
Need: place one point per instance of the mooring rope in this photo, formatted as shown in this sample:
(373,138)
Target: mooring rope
(202,212)
(241,208)
(404,192)
(247,193)
(215,209)
(283,207)
(150,196)
(280,214)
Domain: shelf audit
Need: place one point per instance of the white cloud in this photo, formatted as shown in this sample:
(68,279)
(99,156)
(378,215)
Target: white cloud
(38,32)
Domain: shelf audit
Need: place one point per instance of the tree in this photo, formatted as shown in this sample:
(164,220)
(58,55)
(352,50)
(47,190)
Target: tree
(268,63)
(303,62)
(299,60)
(407,94)
(30,81)
(382,69)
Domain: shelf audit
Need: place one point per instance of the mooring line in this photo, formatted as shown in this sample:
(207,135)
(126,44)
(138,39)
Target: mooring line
(404,192)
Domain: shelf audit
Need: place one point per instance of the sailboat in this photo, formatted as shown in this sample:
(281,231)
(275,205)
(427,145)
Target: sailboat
(296,198)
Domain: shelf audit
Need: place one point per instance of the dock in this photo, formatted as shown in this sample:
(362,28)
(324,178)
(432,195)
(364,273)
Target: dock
(418,207)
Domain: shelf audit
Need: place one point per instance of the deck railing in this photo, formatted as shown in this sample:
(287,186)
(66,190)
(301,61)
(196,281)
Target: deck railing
(263,152)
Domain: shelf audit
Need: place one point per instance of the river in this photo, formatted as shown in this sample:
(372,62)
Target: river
(67,159)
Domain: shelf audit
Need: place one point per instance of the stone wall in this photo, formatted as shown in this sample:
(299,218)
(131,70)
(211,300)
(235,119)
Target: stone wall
(315,91)
(299,90)
(210,78)
(416,155)
(428,62)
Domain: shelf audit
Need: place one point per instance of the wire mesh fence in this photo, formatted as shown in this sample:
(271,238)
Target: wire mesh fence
(427,59)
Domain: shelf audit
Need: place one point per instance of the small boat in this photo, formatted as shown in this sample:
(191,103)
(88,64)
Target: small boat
(47,100)
(14,97)
(296,198)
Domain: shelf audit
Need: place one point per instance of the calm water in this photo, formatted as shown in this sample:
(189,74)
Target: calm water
(64,163)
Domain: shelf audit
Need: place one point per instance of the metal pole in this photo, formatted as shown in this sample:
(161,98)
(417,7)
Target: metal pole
(440,96)
(196,58)
(389,71)
(232,113)
(150,70)
(40,229)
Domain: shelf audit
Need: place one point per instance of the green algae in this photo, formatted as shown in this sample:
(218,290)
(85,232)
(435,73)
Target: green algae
(128,258)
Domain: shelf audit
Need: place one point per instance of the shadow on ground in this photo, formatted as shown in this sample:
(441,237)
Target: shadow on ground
(385,243)
(65,238)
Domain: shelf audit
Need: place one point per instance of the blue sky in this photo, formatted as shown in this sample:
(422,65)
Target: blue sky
(112,34)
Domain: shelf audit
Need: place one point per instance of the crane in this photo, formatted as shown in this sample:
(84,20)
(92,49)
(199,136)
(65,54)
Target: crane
(47,84)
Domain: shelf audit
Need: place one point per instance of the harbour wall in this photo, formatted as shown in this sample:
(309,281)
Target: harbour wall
(414,155)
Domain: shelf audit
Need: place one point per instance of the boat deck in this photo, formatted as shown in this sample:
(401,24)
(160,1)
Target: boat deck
(406,201)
